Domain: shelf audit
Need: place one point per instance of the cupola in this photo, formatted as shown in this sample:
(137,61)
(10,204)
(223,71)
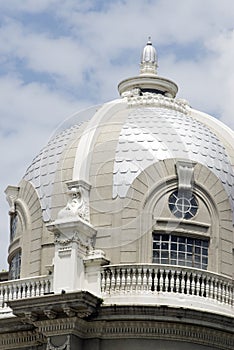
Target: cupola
(148,80)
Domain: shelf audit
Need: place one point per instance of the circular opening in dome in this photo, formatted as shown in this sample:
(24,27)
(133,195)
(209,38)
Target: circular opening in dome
(183,205)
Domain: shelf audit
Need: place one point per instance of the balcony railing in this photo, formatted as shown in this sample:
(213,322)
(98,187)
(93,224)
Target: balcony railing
(175,285)
(23,288)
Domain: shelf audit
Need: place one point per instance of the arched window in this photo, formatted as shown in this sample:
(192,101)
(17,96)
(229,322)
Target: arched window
(15,265)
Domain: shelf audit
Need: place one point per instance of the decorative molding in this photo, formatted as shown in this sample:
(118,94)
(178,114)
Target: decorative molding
(161,330)
(85,242)
(21,339)
(135,98)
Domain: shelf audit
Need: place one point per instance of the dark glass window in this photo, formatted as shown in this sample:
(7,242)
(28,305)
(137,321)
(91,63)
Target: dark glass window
(177,250)
(15,265)
(13,225)
(183,204)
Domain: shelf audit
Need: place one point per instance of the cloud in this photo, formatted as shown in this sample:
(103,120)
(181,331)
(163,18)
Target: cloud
(58,56)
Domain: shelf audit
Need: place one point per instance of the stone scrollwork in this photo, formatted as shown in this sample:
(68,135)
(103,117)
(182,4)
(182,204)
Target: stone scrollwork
(78,201)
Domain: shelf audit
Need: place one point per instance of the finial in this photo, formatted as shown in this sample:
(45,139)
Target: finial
(149,59)
(149,42)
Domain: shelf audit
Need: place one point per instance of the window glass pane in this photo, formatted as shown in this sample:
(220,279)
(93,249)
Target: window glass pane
(173,246)
(189,248)
(165,246)
(182,247)
(165,238)
(177,250)
(181,255)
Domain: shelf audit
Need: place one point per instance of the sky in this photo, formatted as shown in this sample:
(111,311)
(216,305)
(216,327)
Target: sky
(58,57)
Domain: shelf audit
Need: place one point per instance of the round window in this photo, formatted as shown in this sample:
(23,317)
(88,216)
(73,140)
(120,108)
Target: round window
(183,205)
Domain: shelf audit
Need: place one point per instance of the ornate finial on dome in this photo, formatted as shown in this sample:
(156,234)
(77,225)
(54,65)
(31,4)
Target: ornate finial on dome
(149,59)
(148,81)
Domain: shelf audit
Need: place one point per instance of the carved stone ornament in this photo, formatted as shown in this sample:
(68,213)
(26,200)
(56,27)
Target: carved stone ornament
(65,346)
(136,98)
(12,193)
(78,201)
(185,170)
(78,237)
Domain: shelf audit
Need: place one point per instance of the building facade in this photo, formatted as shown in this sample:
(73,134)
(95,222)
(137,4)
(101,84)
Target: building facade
(121,230)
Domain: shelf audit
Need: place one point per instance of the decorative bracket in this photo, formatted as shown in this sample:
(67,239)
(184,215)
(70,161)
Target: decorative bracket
(185,171)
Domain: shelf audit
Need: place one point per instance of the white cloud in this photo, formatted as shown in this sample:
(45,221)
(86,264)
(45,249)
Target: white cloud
(70,58)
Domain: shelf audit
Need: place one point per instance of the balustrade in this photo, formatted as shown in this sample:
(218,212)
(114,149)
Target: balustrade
(154,279)
(24,288)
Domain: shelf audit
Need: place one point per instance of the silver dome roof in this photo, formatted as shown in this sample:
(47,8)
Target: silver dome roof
(151,134)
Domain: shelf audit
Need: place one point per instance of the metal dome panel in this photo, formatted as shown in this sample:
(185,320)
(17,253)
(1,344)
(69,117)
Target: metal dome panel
(153,134)
(41,172)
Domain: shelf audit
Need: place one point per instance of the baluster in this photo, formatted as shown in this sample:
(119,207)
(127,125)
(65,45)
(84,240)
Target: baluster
(112,281)
(10,292)
(123,280)
(198,284)
(140,279)
(229,294)
(202,278)
(14,292)
(212,288)
(182,276)
(44,287)
(220,287)
(166,281)
(134,280)
(144,280)
(177,284)
(1,297)
(33,289)
(103,285)
(118,281)
(215,289)
(128,280)
(172,273)
(206,287)
(37,288)
(150,279)
(192,276)
(108,281)
(225,292)
(23,291)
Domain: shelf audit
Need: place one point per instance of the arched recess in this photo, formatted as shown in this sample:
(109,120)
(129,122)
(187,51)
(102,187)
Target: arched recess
(156,215)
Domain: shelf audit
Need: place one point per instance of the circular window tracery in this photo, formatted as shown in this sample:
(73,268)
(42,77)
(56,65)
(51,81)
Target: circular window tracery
(183,205)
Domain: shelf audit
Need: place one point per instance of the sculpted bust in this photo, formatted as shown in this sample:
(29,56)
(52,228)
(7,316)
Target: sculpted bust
(76,205)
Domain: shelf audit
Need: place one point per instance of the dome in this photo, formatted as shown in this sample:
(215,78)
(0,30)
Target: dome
(151,129)
(132,155)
